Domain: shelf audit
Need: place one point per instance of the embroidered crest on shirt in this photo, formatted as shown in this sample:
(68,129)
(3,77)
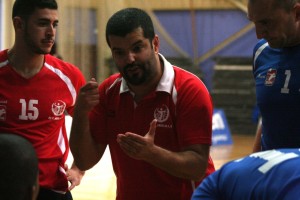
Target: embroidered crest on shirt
(161,113)
(58,108)
(2,113)
(271,76)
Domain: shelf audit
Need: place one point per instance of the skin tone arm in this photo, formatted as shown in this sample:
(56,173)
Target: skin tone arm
(191,162)
(257,140)
(74,175)
(85,151)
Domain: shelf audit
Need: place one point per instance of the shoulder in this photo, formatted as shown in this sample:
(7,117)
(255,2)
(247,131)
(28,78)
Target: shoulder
(3,55)
(260,44)
(112,78)
(208,188)
(185,80)
(113,81)
(182,75)
(64,70)
(263,53)
(60,64)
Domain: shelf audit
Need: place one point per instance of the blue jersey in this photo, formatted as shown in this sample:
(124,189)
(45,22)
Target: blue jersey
(267,175)
(277,79)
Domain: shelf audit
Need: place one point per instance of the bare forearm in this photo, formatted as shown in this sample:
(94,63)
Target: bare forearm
(77,169)
(187,164)
(84,150)
(190,163)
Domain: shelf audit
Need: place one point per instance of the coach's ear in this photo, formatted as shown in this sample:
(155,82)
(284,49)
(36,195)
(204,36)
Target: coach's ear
(297,11)
(155,43)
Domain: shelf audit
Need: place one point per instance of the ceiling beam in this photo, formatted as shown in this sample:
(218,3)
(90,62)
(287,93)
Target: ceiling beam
(225,43)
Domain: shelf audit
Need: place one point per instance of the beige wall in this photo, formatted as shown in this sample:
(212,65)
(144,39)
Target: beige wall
(164,5)
(7,29)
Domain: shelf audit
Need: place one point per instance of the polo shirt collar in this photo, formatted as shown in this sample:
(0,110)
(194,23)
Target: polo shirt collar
(166,82)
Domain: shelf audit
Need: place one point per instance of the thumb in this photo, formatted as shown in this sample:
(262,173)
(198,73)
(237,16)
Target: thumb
(152,128)
(66,167)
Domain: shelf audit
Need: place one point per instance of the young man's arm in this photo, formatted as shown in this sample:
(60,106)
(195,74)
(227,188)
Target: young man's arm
(85,151)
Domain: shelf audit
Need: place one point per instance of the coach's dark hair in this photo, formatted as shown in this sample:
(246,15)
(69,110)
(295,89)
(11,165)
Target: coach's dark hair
(127,20)
(18,167)
(24,8)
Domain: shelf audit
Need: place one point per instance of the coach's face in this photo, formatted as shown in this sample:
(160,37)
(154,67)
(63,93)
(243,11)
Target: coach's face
(134,56)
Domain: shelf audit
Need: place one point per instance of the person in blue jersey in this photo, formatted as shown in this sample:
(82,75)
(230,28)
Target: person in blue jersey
(276,70)
(269,175)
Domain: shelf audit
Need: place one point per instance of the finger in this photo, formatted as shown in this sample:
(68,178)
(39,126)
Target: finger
(93,103)
(66,166)
(132,152)
(72,186)
(152,128)
(134,139)
(124,142)
(92,84)
(127,144)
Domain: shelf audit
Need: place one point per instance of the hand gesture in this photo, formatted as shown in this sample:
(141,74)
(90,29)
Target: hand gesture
(136,146)
(88,96)
(74,176)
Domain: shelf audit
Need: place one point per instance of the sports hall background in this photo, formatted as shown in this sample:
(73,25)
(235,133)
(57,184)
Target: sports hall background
(211,38)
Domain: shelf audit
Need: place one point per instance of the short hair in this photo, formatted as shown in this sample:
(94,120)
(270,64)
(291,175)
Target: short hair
(287,5)
(18,167)
(24,8)
(127,20)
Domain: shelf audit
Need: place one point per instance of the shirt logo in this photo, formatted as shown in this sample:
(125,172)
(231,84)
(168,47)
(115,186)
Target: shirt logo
(270,78)
(161,113)
(58,108)
(2,112)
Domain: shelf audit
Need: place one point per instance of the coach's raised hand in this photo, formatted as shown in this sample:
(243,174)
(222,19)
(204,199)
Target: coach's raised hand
(88,96)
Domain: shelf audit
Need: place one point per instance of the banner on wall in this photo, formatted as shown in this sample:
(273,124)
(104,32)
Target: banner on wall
(221,134)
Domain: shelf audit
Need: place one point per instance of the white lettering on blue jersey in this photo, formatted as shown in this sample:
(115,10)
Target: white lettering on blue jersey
(273,157)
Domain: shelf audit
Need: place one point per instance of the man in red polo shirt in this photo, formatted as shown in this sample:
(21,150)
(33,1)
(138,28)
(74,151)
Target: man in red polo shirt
(166,161)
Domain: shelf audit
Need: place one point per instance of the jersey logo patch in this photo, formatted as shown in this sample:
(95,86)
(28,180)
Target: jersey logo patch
(2,112)
(161,113)
(271,76)
(58,107)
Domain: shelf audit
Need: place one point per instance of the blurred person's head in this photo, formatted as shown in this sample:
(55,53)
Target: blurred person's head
(18,168)
(276,21)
